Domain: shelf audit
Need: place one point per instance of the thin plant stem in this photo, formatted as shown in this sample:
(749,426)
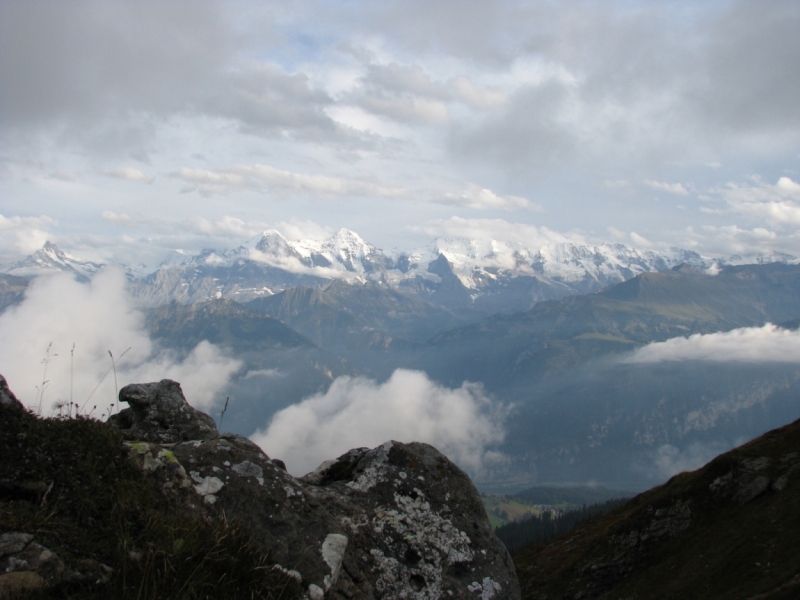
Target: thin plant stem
(103,378)
(114,366)
(71,372)
(46,361)
(222,414)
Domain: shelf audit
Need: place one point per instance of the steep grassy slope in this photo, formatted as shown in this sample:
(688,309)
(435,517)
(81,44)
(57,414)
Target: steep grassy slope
(728,530)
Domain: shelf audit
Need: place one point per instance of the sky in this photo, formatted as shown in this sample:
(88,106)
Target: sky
(130,129)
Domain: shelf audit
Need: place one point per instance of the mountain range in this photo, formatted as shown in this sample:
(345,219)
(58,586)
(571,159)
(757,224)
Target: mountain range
(548,333)
(487,276)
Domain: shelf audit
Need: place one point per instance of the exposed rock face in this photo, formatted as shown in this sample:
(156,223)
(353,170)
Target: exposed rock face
(159,413)
(7,397)
(397,521)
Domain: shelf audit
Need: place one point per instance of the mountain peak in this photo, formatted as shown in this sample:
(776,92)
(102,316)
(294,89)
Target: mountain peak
(51,259)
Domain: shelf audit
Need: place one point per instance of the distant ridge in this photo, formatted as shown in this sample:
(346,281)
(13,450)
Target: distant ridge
(487,276)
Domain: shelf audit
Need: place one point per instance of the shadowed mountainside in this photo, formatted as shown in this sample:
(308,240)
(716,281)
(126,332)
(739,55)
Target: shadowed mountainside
(727,530)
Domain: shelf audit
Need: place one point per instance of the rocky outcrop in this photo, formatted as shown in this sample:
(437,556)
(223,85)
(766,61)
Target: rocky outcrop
(7,397)
(159,413)
(396,521)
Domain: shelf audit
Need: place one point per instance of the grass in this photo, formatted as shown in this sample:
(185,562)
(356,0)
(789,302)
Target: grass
(101,507)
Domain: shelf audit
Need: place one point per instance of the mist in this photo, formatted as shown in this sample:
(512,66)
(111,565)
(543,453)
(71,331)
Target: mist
(462,423)
(59,344)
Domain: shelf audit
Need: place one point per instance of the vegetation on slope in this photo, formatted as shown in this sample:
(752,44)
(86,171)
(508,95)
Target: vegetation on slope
(70,483)
(549,525)
(728,530)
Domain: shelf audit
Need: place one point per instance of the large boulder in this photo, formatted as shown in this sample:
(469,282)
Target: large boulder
(158,412)
(396,521)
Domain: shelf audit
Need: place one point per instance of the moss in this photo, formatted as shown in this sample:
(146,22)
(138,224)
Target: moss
(102,506)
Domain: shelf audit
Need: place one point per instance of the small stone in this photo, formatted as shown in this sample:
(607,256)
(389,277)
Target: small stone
(11,543)
(19,582)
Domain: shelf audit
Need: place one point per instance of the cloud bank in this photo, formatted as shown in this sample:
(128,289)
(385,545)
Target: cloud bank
(462,423)
(769,343)
(63,331)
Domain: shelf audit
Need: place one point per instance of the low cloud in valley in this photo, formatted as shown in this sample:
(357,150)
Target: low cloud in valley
(463,423)
(63,331)
(769,343)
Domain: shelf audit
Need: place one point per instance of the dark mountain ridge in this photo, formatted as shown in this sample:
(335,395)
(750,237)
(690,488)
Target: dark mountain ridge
(727,530)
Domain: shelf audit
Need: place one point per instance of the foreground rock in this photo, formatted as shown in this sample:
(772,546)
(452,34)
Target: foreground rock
(397,521)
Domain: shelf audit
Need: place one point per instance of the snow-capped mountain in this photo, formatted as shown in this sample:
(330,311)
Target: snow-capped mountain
(456,273)
(52,260)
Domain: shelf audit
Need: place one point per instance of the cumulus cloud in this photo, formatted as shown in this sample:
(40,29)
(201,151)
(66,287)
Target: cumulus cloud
(479,198)
(63,331)
(130,174)
(731,240)
(769,343)
(240,177)
(672,188)
(778,204)
(462,423)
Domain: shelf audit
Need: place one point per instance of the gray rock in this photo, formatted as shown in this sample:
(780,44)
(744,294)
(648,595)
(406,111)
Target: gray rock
(159,413)
(397,521)
(34,566)
(7,397)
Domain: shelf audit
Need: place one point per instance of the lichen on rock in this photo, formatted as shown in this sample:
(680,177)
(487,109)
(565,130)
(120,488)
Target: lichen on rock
(396,521)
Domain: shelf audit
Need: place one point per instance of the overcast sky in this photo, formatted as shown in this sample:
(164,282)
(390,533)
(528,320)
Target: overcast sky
(129,128)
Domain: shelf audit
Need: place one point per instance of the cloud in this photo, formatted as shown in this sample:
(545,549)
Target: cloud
(24,235)
(769,343)
(97,317)
(401,92)
(777,204)
(672,188)
(479,198)
(670,460)
(119,219)
(462,423)
(483,98)
(227,226)
(241,177)
(130,174)
(290,263)
(496,229)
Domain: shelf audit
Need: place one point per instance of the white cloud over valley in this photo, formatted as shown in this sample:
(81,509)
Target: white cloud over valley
(97,318)
(463,423)
(769,343)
